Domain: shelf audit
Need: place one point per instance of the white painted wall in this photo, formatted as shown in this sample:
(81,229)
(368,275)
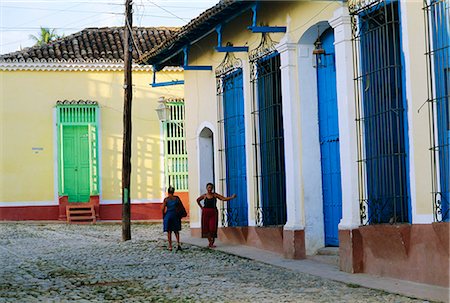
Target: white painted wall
(346,117)
(310,150)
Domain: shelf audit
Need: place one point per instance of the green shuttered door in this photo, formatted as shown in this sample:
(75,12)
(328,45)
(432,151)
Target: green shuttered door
(76,163)
(77,140)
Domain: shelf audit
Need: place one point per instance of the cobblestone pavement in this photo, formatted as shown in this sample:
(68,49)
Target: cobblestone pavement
(90,263)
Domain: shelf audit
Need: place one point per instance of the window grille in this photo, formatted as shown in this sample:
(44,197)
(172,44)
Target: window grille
(232,150)
(268,137)
(381,115)
(176,162)
(437,22)
(79,113)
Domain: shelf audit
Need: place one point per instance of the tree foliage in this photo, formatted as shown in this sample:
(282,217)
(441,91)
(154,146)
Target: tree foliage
(45,36)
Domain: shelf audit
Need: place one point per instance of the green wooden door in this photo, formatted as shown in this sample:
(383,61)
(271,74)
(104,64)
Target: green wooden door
(76,163)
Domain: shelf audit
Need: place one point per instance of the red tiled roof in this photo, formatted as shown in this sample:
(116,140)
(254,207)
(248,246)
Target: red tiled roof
(196,28)
(94,43)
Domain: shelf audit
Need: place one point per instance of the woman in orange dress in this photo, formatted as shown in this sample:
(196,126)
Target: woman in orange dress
(210,214)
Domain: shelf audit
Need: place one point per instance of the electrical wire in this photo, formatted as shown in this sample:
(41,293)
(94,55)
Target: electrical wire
(132,37)
(167,11)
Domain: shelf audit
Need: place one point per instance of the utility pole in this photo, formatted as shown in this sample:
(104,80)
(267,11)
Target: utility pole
(128,96)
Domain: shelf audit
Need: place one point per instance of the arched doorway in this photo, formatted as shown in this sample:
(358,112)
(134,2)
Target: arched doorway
(206,158)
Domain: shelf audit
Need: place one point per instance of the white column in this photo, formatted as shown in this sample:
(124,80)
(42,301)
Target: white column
(341,24)
(291,125)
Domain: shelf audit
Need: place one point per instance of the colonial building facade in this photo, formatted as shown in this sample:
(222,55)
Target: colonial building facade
(61,116)
(315,114)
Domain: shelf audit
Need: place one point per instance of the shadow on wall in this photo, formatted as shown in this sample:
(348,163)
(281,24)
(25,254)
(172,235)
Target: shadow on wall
(145,168)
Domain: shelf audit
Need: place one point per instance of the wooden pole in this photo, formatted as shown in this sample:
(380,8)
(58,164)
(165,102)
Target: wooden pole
(128,96)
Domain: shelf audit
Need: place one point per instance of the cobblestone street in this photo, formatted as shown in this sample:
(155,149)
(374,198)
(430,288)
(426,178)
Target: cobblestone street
(90,263)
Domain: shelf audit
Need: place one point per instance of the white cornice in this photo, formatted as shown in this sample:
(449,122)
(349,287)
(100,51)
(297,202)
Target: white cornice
(72,65)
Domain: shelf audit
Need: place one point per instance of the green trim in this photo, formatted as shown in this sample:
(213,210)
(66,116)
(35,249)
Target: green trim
(79,115)
(175,154)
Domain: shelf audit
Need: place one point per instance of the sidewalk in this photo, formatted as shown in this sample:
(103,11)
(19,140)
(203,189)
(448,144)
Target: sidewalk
(331,272)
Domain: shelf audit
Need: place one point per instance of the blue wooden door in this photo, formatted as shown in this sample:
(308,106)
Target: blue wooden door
(329,140)
(234,129)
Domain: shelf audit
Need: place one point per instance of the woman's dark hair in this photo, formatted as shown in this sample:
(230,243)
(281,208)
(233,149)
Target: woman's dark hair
(208,184)
(171,190)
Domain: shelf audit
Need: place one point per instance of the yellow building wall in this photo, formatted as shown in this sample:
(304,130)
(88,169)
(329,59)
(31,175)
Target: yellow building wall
(28,142)
(416,70)
(200,87)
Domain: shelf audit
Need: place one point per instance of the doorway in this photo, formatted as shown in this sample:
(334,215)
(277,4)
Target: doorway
(329,139)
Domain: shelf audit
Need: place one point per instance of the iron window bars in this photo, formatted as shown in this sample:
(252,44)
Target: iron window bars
(437,23)
(380,109)
(268,134)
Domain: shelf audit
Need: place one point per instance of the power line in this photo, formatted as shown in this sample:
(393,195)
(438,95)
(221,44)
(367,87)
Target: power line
(22,28)
(167,11)
(56,10)
(61,10)
(68,1)
(26,29)
(81,11)
(75,28)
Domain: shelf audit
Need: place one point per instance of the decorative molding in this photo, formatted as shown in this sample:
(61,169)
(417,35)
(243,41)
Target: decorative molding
(73,65)
(76,102)
(340,17)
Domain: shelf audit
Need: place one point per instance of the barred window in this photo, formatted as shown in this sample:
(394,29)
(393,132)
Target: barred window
(176,162)
(381,115)
(437,22)
(268,121)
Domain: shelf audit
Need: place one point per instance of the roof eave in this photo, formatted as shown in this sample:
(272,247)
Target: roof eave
(161,54)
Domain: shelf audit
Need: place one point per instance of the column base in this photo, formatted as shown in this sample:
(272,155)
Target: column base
(294,244)
(351,252)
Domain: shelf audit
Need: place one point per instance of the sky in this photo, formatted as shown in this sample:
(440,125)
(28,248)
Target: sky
(21,18)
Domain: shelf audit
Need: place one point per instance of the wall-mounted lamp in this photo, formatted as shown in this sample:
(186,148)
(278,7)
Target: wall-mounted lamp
(319,52)
(163,110)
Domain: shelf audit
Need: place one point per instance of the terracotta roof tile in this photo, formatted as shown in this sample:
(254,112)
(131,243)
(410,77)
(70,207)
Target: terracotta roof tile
(93,44)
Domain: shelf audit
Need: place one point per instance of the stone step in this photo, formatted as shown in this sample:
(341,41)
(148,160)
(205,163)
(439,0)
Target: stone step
(327,259)
(328,251)
(327,255)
